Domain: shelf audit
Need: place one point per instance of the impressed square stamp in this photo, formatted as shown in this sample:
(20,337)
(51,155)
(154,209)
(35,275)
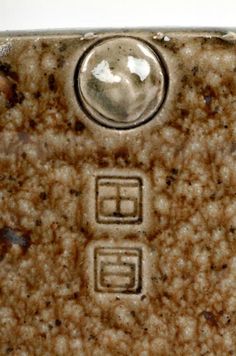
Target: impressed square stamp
(118,270)
(119,200)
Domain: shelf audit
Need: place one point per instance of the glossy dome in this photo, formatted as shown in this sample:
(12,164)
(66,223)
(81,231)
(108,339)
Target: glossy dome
(121,82)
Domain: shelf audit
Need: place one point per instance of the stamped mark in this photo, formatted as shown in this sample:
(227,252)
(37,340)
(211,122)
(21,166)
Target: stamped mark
(118,270)
(119,200)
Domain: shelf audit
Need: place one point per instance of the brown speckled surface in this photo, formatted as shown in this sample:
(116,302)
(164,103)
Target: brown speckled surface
(50,156)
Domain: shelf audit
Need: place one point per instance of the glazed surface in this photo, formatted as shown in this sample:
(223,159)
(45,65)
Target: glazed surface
(50,154)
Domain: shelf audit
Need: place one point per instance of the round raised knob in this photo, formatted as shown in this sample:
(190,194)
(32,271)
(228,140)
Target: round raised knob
(120,82)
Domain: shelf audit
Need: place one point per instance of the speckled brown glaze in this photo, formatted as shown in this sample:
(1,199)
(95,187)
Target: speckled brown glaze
(184,159)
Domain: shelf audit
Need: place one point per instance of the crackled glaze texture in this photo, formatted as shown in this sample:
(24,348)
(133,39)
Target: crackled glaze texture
(117,242)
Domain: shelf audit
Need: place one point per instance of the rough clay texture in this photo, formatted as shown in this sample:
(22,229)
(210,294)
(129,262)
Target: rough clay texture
(46,144)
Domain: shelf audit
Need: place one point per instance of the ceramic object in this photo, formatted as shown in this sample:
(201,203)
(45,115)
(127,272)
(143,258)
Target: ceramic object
(117,193)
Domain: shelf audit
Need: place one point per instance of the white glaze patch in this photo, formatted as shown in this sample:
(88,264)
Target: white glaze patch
(138,66)
(103,73)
